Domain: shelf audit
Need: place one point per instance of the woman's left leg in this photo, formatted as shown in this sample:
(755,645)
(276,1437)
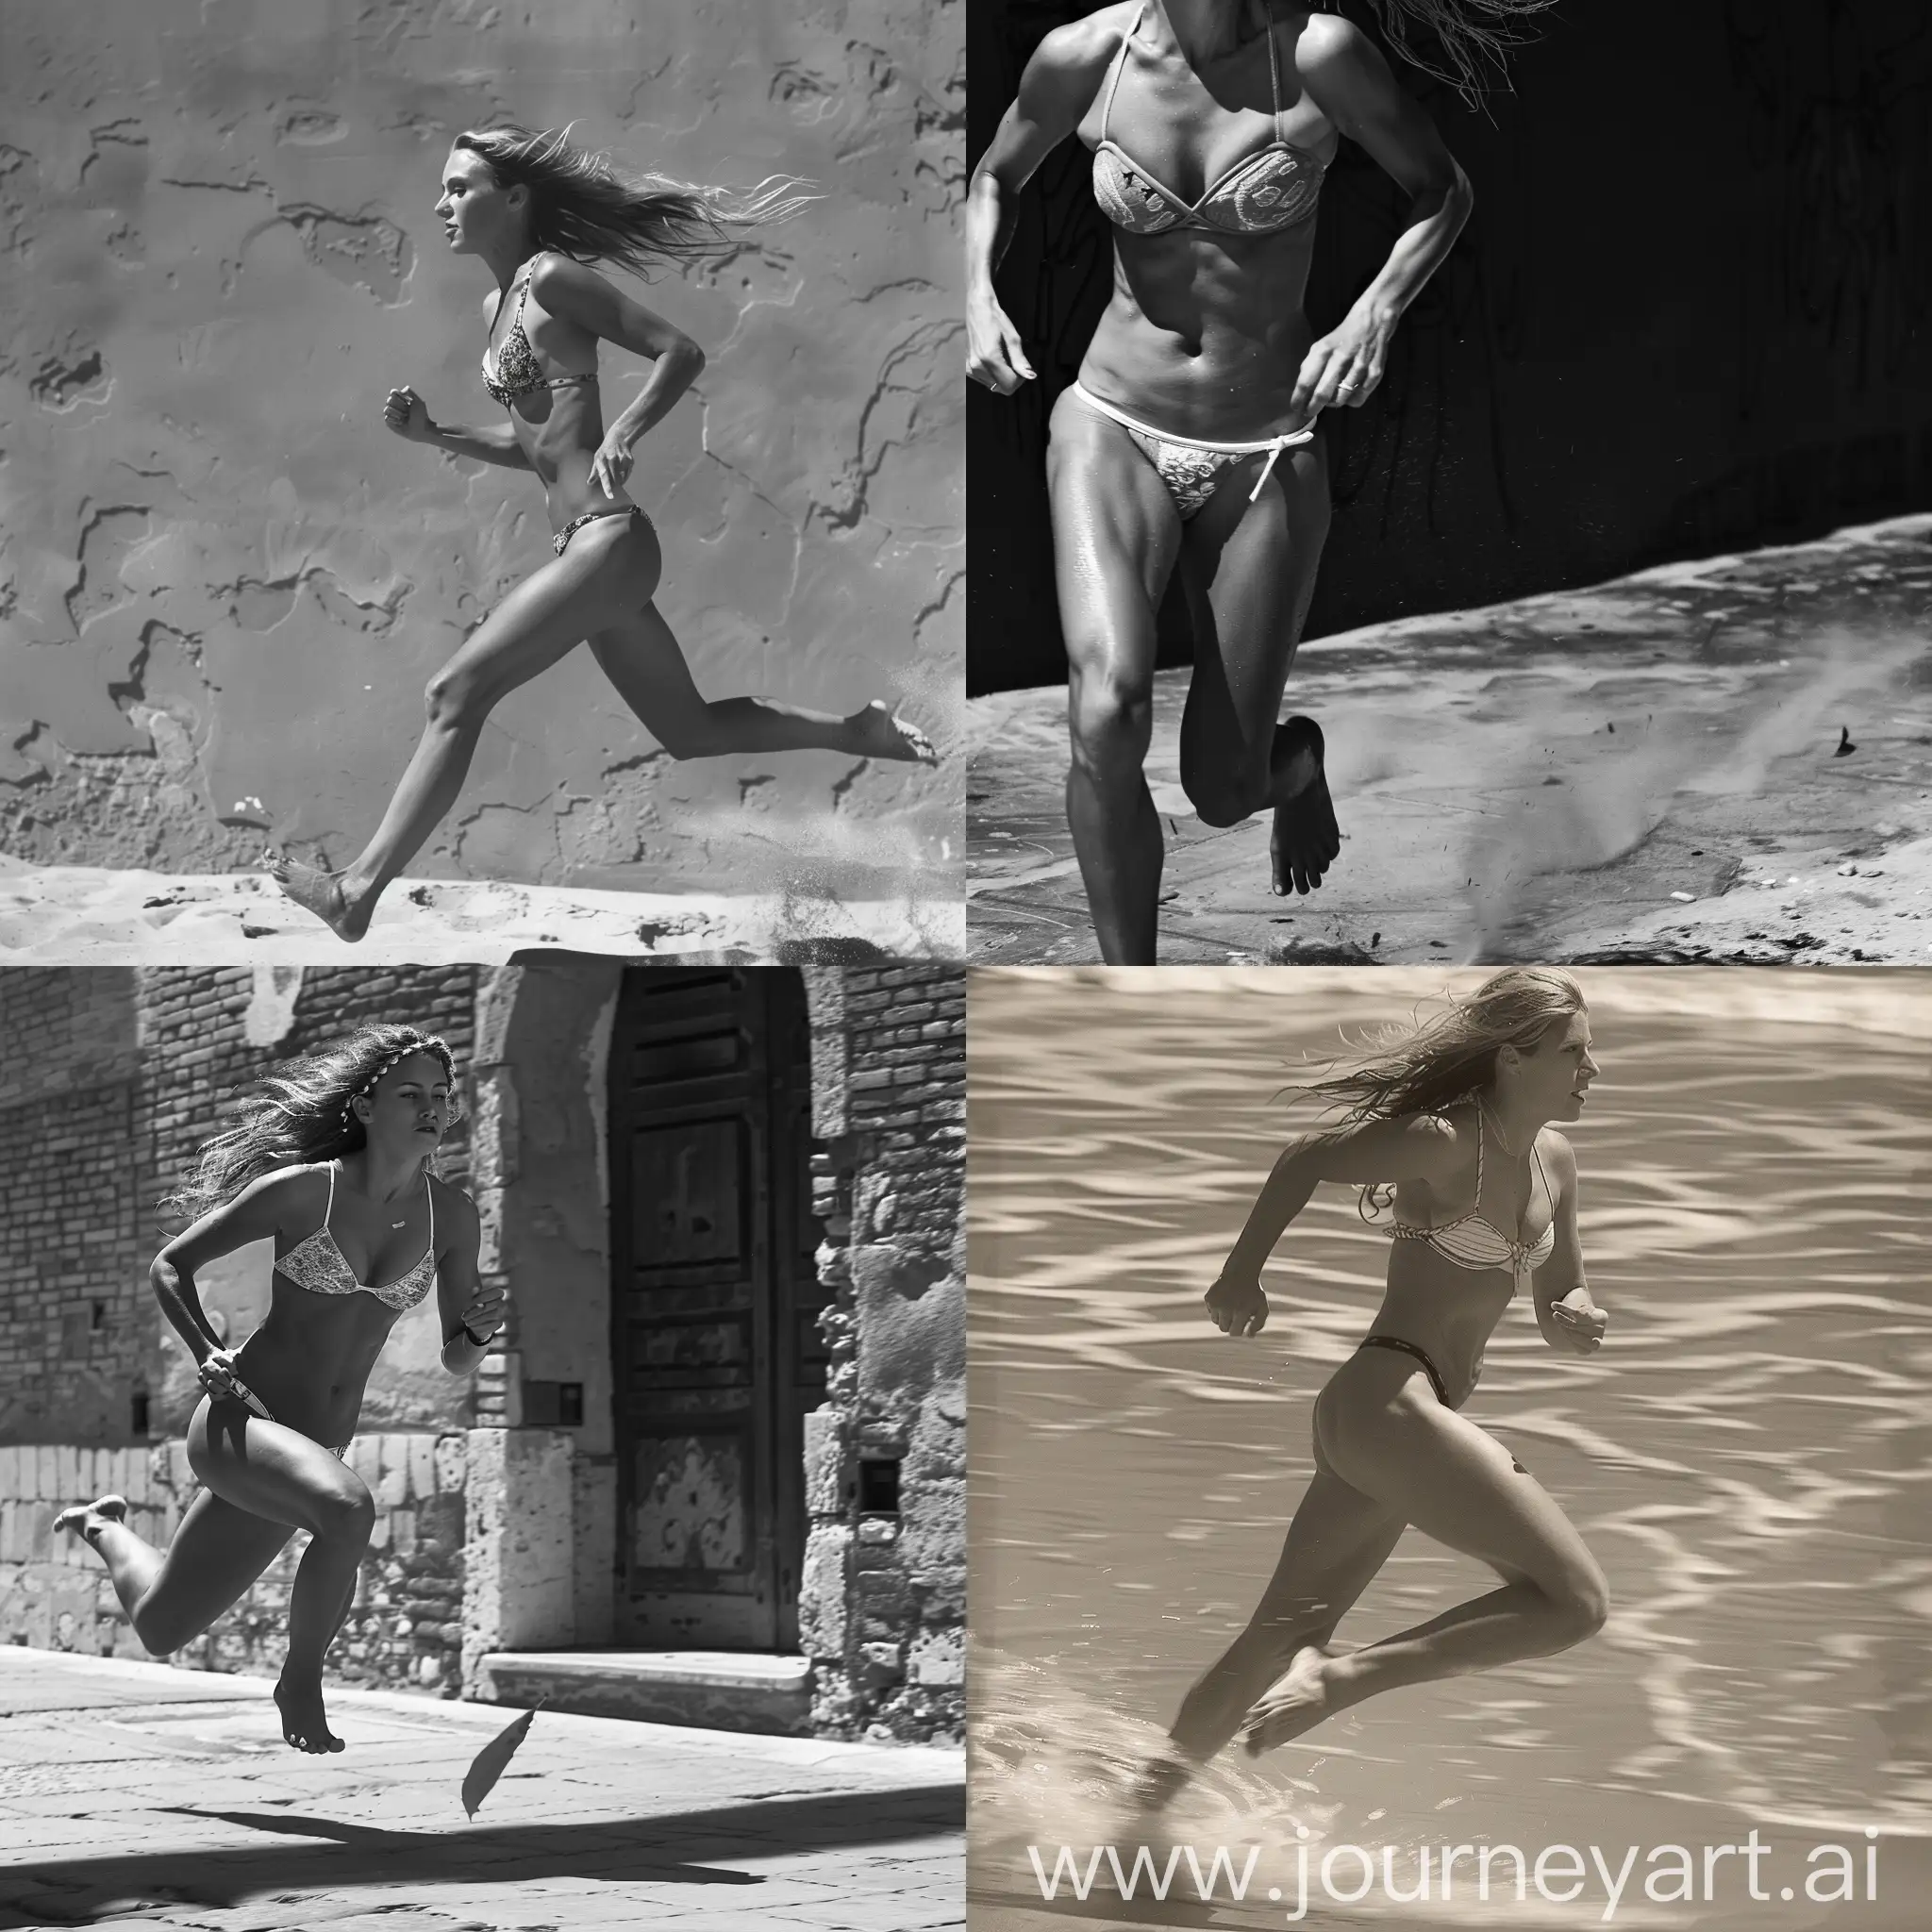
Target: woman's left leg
(609,568)
(1248,570)
(643,661)
(1335,1545)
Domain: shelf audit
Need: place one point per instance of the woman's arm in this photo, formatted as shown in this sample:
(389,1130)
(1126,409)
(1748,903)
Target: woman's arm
(256,1214)
(1416,1147)
(1569,1320)
(1352,85)
(581,295)
(1058,87)
(407,416)
(497,445)
(468,1309)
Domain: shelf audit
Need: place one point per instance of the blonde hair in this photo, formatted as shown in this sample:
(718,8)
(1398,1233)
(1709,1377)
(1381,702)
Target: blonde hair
(302,1110)
(1431,1063)
(585,205)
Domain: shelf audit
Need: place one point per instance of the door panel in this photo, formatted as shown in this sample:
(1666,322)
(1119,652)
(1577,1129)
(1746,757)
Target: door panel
(714,1302)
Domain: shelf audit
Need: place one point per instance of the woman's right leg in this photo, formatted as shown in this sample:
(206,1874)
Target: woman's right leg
(1116,535)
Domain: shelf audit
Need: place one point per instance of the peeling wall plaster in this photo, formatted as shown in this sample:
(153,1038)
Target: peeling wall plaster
(224,585)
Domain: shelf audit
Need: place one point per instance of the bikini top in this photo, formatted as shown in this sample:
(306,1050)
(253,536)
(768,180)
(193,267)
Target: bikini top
(316,1263)
(517,371)
(1471,1241)
(1273,189)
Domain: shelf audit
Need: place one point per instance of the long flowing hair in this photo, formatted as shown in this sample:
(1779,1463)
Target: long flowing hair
(1431,1061)
(301,1111)
(587,207)
(1436,1060)
(1466,43)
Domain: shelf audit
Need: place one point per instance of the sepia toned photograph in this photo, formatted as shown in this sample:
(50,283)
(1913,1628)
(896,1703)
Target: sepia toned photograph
(479,481)
(1448,480)
(1447,1448)
(482,1445)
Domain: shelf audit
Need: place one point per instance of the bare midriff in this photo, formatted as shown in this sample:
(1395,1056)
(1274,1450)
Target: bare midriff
(560,430)
(1449,1311)
(1205,334)
(311,1359)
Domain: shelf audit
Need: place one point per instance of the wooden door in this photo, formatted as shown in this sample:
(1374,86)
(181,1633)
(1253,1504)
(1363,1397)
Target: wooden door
(714,1302)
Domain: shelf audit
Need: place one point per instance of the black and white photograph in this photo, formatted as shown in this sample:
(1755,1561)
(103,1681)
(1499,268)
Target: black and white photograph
(361,367)
(1449,479)
(482,1445)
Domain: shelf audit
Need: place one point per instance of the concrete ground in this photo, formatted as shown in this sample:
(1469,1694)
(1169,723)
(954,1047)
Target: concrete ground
(75,915)
(133,1792)
(1645,771)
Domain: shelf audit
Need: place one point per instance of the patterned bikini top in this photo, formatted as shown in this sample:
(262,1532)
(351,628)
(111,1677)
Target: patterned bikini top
(1274,188)
(517,371)
(1471,1241)
(316,1263)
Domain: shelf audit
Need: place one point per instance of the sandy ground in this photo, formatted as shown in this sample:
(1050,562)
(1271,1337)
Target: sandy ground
(82,916)
(1646,771)
(131,1792)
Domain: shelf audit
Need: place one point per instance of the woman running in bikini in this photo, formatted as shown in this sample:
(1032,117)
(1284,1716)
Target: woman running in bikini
(538,210)
(1189,439)
(330,1159)
(1448,1131)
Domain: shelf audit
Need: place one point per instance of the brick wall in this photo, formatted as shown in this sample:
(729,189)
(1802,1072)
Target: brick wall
(74,1289)
(890,1658)
(195,1029)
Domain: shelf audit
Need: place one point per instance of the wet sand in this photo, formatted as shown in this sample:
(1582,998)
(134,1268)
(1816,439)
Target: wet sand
(1645,771)
(1745,1456)
(84,916)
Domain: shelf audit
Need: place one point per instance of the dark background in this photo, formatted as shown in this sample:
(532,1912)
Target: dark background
(1687,316)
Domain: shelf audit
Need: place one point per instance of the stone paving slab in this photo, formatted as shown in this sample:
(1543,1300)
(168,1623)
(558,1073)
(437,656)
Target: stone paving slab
(193,1814)
(1647,770)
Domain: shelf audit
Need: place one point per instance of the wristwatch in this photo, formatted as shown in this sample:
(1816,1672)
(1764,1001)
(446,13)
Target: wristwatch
(481,1340)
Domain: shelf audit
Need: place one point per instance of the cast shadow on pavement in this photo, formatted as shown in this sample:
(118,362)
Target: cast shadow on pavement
(676,1848)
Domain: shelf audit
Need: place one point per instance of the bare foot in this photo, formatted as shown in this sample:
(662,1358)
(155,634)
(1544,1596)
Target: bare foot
(877,734)
(87,1520)
(1307,839)
(304,1723)
(318,892)
(1297,1701)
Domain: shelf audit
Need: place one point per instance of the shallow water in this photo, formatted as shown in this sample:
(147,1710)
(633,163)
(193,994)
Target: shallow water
(1748,1455)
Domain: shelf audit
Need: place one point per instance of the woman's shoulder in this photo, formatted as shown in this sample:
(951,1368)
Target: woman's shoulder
(298,1186)
(1074,51)
(451,1201)
(1556,1151)
(1323,39)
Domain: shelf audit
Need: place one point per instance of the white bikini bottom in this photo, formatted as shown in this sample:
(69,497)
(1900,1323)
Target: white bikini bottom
(1192,471)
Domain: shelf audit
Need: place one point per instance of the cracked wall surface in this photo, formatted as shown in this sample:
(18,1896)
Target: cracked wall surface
(224,585)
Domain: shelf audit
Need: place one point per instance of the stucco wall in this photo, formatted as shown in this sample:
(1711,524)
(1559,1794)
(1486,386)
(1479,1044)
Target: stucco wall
(223,585)
(542,1193)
